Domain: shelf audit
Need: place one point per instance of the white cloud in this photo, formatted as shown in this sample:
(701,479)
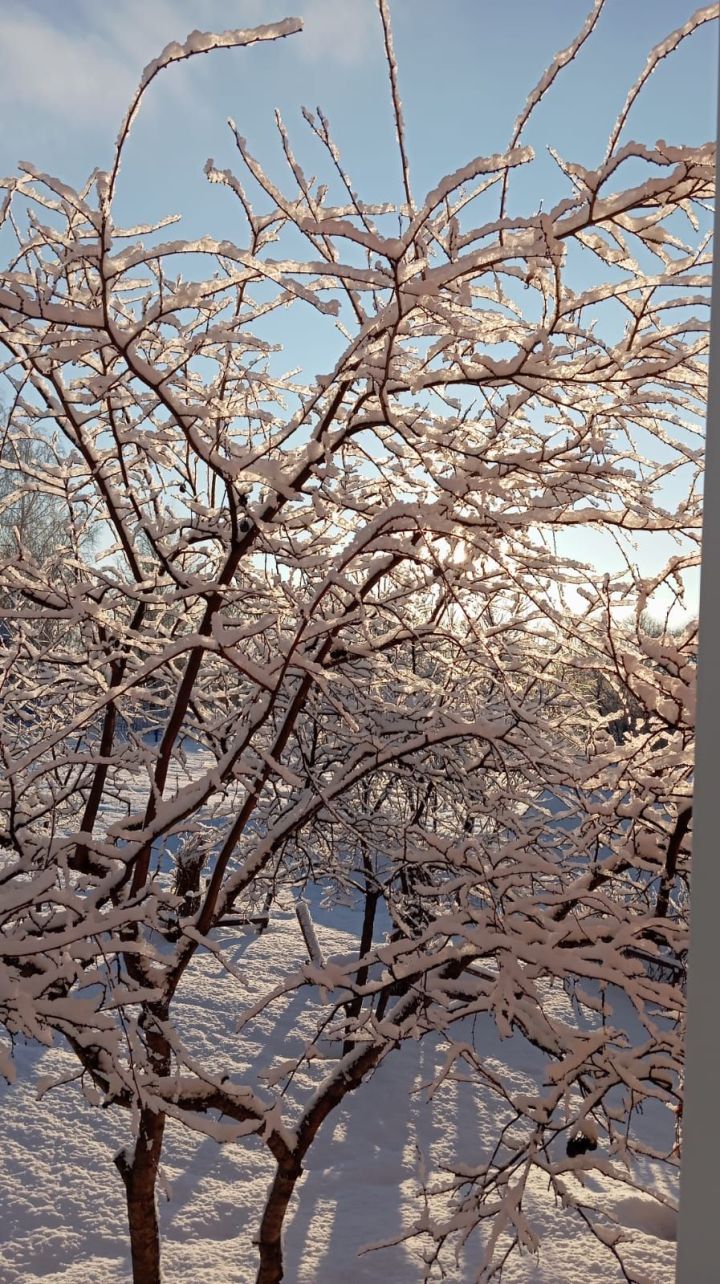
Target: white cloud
(76,66)
(338,31)
(81,63)
(48,70)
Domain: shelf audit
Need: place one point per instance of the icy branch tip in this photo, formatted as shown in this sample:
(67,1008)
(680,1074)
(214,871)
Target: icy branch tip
(204,41)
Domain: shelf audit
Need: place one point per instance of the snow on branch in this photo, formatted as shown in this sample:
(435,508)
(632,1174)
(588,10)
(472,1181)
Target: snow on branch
(269,635)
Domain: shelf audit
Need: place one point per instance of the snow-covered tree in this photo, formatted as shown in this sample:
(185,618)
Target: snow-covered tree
(328,635)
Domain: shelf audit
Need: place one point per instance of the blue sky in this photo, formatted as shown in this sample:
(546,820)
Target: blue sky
(68,69)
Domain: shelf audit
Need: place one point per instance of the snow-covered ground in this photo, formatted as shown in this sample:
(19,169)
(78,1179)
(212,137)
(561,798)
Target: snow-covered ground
(62,1203)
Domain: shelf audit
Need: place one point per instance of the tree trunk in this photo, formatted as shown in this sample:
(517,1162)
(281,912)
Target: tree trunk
(139,1174)
(347,1077)
(270,1270)
(354,1007)
(139,1168)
